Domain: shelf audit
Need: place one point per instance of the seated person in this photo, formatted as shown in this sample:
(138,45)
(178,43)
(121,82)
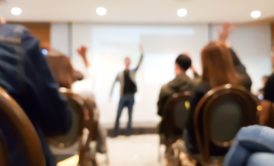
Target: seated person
(217,70)
(269,89)
(25,75)
(180,83)
(62,69)
(253,146)
(267,113)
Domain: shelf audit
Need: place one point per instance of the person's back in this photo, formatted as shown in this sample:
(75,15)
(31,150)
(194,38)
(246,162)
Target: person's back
(269,89)
(180,83)
(24,74)
(218,69)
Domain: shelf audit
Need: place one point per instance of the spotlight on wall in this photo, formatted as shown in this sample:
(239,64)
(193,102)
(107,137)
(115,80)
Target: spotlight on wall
(182,12)
(255,14)
(101,11)
(16,11)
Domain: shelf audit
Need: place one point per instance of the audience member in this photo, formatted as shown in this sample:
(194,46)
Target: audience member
(180,83)
(62,69)
(267,113)
(128,85)
(253,146)
(84,89)
(217,70)
(26,77)
(269,89)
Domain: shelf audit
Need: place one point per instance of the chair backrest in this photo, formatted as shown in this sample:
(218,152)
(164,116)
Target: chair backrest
(92,123)
(220,114)
(177,110)
(3,151)
(14,120)
(75,133)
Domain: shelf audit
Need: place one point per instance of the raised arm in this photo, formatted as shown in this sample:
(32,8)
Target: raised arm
(82,51)
(141,59)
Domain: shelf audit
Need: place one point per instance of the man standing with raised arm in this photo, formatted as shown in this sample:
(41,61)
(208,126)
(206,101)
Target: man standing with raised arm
(128,88)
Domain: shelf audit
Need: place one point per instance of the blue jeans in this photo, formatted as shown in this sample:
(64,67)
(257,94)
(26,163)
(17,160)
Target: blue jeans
(128,102)
(253,146)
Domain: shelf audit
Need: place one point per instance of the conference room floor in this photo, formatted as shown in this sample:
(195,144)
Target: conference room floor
(139,150)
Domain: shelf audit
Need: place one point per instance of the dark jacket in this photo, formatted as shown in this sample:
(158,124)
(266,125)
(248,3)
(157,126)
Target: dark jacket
(269,89)
(241,70)
(179,84)
(25,75)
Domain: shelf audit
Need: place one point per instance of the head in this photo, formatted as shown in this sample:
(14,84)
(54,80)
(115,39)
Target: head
(217,65)
(127,62)
(182,64)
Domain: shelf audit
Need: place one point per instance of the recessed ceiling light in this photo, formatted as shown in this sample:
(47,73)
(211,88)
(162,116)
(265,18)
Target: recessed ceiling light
(16,11)
(101,11)
(256,14)
(182,12)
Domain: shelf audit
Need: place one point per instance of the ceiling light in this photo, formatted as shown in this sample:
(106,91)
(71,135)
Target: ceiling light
(101,11)
(16,11)
(182,12)
(256,14)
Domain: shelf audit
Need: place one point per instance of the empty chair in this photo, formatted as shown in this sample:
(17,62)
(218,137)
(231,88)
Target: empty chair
(14,123)
(218,117)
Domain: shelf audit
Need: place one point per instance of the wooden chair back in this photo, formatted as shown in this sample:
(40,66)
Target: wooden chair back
(14,120)
(220,114)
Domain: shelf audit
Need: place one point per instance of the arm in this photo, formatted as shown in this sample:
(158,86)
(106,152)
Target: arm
(240,68)
(163,96)
(141,59)
(82,51)
(113,85)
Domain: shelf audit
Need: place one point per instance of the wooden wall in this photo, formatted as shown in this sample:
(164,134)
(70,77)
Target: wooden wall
(272,43)
(39,29)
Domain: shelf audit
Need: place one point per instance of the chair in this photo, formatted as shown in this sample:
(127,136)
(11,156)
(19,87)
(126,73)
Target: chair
(82,117)
(75,133)
(174,120)
(175,116)
(219,115)
(14,120)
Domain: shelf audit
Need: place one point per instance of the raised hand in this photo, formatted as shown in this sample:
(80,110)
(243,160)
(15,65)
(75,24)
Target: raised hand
(82,51)
(224,31)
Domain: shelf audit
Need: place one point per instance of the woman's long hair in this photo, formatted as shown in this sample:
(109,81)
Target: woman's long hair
(217,65)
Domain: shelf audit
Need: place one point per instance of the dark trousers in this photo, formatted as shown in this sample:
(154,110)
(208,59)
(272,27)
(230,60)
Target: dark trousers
(128,102)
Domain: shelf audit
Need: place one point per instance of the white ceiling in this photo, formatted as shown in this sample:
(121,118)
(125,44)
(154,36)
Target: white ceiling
(138,11)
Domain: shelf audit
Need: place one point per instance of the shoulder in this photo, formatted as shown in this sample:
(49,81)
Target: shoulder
(202,87)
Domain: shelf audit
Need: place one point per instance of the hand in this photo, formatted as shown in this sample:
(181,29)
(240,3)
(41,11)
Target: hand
(224,31)
(82,51)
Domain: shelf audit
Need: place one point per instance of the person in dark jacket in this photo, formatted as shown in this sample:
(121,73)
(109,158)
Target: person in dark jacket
(269,89)
(25,75)
(180,83)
